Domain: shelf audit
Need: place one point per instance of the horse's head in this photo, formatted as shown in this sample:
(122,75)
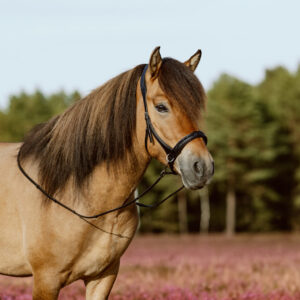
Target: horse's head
(174,98)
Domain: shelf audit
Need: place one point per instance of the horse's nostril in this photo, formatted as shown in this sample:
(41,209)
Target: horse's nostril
(197,167)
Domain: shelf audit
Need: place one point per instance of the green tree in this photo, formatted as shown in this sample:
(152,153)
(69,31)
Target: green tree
(281,91)
(240,139)
(254,139)
(27,110)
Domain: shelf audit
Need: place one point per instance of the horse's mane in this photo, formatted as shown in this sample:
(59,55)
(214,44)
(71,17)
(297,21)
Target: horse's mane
(101,127)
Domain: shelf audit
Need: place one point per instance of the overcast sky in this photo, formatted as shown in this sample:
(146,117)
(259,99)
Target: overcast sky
(64,44)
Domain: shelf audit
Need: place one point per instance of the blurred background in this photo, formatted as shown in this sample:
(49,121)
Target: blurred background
(54,52)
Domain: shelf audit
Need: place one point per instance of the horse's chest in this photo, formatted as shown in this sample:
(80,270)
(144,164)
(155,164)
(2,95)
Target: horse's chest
(105,248)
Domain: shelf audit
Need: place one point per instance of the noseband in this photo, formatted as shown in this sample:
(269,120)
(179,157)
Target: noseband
(172,153)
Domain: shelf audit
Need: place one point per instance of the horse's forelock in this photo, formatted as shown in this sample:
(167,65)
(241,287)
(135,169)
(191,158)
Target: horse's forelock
(181,85)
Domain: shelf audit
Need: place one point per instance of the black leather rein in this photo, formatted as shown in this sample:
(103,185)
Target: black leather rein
(172,154)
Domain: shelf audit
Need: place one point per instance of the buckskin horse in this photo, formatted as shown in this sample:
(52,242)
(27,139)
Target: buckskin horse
(90,159)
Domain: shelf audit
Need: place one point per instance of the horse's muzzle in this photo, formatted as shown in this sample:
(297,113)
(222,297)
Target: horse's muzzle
(195,171)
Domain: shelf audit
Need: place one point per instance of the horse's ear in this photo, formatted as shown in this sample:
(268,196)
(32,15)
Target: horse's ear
(193,62)
(155,62)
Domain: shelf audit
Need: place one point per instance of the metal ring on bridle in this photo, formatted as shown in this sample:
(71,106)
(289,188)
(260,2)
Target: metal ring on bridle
(170,158)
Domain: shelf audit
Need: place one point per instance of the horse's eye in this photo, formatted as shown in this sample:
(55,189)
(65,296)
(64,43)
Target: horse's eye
(161,108)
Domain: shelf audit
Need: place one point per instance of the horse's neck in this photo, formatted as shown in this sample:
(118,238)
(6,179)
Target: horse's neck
(108,189)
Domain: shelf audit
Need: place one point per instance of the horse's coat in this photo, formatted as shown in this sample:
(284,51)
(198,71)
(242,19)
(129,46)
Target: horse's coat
(92,158)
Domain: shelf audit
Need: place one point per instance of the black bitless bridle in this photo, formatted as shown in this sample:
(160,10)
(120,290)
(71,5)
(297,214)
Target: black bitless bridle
(172,154)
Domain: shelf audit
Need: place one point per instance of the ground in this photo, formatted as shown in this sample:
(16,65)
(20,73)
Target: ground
(246,267)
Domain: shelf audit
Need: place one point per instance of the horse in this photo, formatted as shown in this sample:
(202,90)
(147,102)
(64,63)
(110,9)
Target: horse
(91,157)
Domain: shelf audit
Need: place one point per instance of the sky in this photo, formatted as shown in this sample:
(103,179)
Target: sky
(76,44)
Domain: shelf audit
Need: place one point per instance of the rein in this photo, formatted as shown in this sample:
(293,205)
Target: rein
(162,174)
(172,154)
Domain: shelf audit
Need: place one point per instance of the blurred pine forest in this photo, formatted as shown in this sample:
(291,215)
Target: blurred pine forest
(254,136)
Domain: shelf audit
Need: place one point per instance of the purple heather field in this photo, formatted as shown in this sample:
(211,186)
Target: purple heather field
(246,267)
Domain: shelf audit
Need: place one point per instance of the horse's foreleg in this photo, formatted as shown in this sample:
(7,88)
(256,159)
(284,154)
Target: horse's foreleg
(99,288)
(45,287)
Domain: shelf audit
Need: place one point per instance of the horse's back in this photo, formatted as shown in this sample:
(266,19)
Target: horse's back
(12,257)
